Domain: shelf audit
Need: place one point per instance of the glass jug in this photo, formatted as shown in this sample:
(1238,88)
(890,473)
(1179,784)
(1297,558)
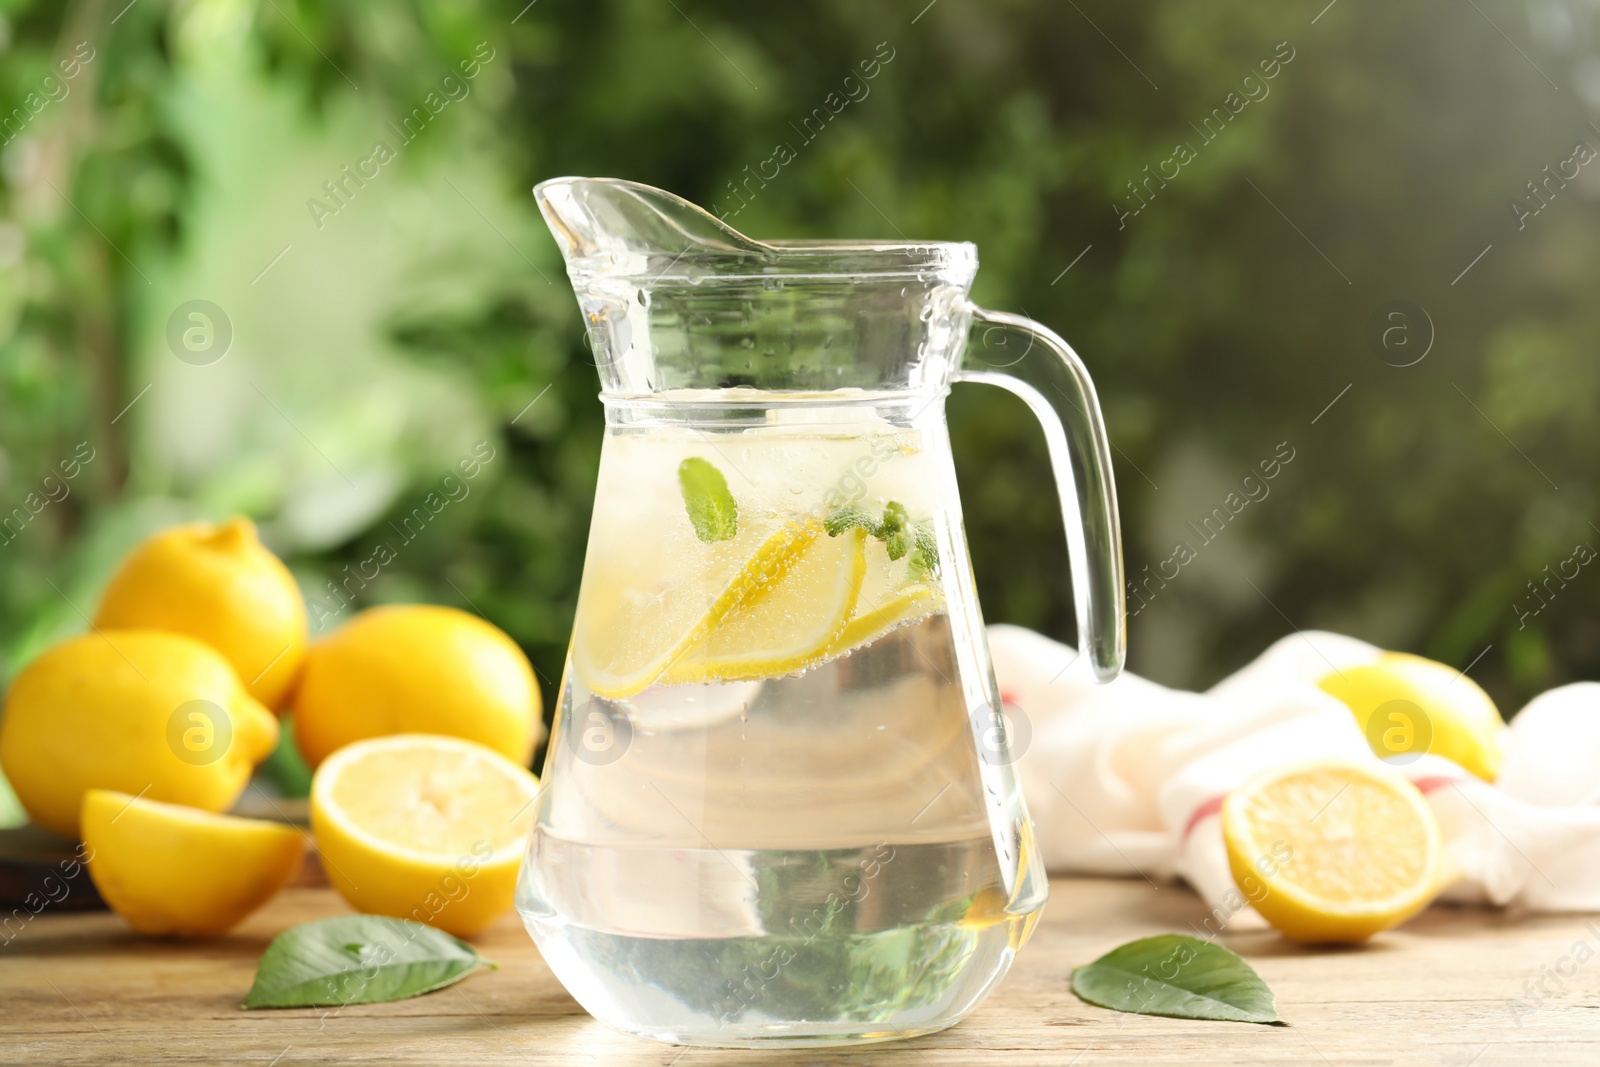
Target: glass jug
(779,806)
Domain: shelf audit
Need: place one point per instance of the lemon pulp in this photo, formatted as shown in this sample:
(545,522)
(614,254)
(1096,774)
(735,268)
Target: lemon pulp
(424,827)
(1332,851)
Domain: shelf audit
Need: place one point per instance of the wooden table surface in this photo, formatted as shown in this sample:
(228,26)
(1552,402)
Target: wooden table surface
(1446,989)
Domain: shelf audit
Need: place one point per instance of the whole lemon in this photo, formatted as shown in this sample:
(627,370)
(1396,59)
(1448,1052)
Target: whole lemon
(417,668)
(1407,705)
(151,714)
(218,583)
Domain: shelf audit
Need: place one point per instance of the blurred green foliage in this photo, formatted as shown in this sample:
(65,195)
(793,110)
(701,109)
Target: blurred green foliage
(376,344)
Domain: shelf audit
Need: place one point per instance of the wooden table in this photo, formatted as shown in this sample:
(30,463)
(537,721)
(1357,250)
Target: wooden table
(1447,989)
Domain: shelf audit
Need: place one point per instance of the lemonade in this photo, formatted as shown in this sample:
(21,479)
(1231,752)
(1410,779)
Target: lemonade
(774,806)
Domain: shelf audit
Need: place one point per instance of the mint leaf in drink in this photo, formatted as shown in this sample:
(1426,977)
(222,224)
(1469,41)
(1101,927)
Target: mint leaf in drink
(1180,977)
(924,562)
(848,518)
(711,509)
(898,543)
(895,519)
(900,539)
(358,959)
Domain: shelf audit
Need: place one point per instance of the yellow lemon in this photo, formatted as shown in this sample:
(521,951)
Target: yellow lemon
(168,869)
(1408,704)
(423,827)
(885,612)
(794,620)
(416,668)
(629,630)
(1332,851)
(800,597)
(155,714)
(215,582)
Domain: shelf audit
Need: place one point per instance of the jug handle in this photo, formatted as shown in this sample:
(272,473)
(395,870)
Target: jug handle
(1047,375)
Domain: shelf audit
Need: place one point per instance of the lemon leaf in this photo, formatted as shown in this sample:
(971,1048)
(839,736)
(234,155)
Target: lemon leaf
(1180,977)
(711,509)
(357,959)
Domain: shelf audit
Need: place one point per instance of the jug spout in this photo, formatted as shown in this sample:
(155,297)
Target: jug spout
(604,225)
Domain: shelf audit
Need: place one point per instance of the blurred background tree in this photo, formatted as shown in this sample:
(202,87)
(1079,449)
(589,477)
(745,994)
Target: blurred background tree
(422,313)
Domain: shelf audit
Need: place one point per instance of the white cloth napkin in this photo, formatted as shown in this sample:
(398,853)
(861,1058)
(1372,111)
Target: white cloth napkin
(1128,778)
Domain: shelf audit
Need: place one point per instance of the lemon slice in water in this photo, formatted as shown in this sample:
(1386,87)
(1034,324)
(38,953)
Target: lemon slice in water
(792,622)
(631,627)
(871,619)
(892,595)
(800,598)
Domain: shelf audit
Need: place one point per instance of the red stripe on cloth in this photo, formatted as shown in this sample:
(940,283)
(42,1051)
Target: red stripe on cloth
(1204,811)
(1428,785)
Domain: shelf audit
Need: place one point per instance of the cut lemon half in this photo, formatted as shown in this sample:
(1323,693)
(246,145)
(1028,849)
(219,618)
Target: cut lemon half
(790,623)
(1332,851)
(168,869)
(423,827)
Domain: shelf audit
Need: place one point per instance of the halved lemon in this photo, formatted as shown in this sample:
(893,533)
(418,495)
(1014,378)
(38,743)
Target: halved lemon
(168,869)
(791,622)
(423,827)
(1332,851)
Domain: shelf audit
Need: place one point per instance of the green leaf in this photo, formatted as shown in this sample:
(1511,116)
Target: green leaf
(900,539)
(895,519)
(1178,976)
(358,959)
(929,547)
(711,509)
(846,518)
(924,562)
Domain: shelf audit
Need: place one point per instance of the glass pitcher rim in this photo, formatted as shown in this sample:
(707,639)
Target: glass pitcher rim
(722,253)
(757,399)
